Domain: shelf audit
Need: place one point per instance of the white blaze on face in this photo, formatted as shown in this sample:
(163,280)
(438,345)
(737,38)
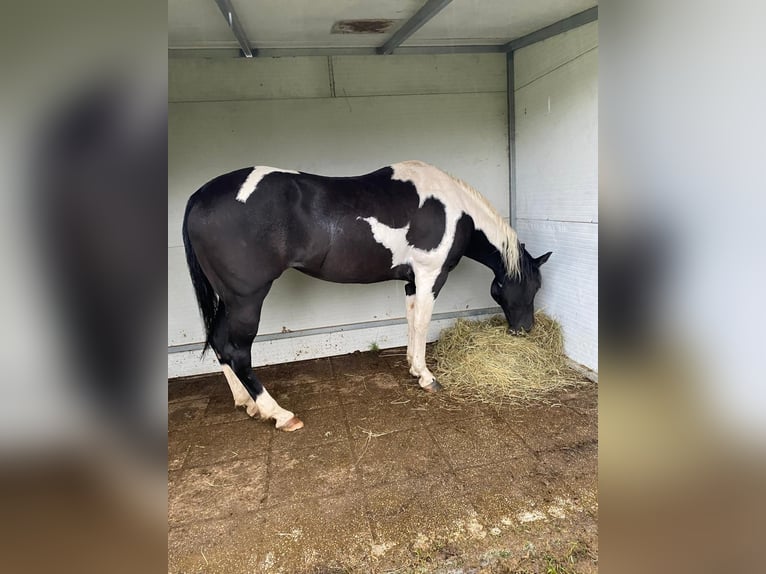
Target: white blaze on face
(255,177)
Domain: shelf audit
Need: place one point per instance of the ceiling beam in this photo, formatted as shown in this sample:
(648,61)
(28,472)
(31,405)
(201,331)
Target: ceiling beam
(236,28)
(430,9)
(349,51)
(579,19)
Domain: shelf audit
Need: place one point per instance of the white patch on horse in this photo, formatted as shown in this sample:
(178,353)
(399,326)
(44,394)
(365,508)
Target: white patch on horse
(255,177)
(265,405)
(241,397)
(421,317)
(269,409)
(458,197)
(392,238)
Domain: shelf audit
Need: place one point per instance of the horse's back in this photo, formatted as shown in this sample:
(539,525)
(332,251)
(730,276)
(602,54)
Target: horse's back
(334,228)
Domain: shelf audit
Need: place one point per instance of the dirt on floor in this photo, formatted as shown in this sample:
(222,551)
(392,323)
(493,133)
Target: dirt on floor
(384,478)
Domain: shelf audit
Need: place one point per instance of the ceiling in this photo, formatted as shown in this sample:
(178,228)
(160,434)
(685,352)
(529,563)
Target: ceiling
(275,27)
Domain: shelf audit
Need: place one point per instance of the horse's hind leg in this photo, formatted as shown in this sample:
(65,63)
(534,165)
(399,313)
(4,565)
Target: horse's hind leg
(232,341)
(219,339)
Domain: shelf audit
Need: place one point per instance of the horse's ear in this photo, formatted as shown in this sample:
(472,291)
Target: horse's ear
(543,258)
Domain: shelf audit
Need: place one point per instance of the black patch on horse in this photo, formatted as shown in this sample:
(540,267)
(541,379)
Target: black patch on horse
(428,225)
(463,233)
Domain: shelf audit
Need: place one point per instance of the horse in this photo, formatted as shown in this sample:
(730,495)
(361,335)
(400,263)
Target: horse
(409,221)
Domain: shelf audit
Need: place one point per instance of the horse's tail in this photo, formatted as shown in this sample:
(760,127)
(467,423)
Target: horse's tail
(207,300)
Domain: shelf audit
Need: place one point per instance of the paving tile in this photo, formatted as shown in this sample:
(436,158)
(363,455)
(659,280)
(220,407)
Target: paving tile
(398,456)
(438,408)
(297,474)
(199,387)
(321,426)
(552,427)
(321,394)
(332,532)
(369,387)
(381,416)
(298,372)
(178,449)
(216,491)
(211,444)
(496,490)
(396,359)
(186,413)
(579,469)
(410,517)
(476,441)
(355,364)
(221,409)
(301,398)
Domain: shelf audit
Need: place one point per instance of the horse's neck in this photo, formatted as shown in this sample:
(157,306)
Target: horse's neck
(481,250)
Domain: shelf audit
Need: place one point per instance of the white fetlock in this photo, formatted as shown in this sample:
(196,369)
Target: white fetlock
(252,408)
(285,420)
(241,397)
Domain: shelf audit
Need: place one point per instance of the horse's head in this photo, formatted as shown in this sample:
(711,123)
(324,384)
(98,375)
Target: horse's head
(516,295)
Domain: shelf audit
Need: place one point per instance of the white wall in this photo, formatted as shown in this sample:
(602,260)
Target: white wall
(556,87)
(335,116)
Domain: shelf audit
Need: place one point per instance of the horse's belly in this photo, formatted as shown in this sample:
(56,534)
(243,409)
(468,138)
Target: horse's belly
(355,260)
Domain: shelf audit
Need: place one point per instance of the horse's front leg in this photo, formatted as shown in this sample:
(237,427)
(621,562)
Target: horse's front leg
(421,317)
(409,304)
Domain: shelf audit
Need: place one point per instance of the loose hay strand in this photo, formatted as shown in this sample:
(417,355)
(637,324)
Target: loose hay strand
(478,361)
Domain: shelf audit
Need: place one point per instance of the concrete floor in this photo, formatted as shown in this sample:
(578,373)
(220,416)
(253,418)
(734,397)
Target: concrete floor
(383,478)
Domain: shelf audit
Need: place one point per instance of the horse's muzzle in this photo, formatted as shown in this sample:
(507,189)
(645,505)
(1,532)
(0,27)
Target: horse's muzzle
(520,332)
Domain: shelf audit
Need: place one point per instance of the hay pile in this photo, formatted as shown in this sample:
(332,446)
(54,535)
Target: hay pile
(479,361)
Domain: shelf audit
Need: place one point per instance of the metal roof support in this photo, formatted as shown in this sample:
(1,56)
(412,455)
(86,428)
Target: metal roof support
(430,9)
(579,19)
(236,28)
(511,139)
(349,51)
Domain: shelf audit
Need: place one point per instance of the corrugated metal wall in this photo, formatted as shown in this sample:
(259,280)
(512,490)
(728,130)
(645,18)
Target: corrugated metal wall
(336,116)
(556,84)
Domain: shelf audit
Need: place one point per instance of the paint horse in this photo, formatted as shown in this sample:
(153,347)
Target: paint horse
(408,221)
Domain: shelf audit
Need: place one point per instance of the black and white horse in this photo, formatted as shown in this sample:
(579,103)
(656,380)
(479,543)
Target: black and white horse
(408,221)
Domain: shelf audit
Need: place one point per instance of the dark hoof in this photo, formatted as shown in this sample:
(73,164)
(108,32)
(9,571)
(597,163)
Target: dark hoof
(433,387)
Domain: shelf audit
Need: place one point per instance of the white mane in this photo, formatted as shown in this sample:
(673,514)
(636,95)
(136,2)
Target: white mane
(498,232)
(484,215)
